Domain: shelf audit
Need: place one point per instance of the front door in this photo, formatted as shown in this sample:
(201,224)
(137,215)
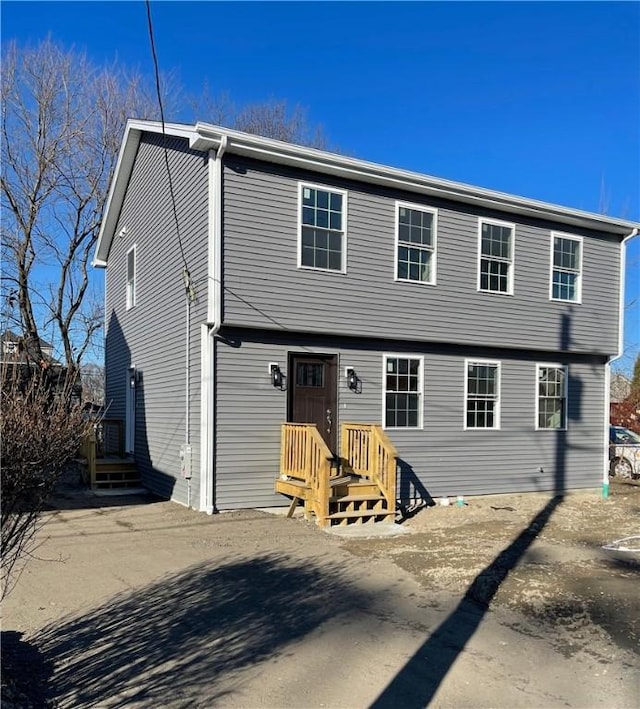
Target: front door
(313,395)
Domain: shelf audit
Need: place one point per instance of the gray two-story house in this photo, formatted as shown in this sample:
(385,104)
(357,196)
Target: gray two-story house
(251,282)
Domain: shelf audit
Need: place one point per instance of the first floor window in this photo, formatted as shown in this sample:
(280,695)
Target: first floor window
(496,257)
(131,277)
(403,392)
(322,228)
(552,396)
(483,395)
(566,268)
(416,244)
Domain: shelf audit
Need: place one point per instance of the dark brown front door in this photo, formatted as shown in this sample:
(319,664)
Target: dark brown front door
(312,393)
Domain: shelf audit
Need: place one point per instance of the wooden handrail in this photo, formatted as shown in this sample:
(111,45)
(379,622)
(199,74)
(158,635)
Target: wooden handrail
(369,452)
(89,451)
(306,457)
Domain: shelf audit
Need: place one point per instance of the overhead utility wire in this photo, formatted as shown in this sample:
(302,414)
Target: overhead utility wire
(187,276)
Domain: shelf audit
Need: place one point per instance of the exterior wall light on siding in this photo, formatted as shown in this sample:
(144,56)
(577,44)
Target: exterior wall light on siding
(353,381)
(276,375)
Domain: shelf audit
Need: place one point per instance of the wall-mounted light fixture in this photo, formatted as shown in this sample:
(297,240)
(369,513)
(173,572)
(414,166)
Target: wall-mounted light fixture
(276,375)
(353,380)
(133,377)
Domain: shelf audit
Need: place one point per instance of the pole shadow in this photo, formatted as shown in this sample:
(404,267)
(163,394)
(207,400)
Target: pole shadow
(417,682)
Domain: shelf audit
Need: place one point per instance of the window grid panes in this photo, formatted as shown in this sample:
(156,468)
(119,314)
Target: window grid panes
(565,279)
(322,231)
(416,245)
(495,258)
(482,395)
(310,374)
(402,392)
(131,278)
(552,397)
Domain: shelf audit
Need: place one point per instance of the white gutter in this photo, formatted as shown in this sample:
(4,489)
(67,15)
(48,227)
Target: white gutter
(209,330)
(607,377)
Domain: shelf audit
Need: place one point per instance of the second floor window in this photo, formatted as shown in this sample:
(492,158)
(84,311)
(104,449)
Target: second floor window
(495,270)
(483,394)
(131,277)
(322,233)
(416,244)
(566,268)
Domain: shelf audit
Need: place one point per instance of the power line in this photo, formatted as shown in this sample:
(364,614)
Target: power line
(187,276)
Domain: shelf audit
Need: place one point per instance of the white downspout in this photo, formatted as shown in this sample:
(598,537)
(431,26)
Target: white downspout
(212,326)
(607,374)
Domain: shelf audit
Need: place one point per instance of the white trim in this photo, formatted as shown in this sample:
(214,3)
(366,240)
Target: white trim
(420,392)
(207,441)
(324,188)
(497,414)
(433,250)
(130,302)
(512,249)
(569,237)
(565,395)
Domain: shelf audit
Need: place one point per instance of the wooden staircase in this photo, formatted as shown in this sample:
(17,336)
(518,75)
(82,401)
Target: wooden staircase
(113,473)
(362,491)
(102,454)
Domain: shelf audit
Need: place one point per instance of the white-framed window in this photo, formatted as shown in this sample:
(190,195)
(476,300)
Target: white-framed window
(322,229)
(551,397)
(566,268)
(416,228)
(482,394)
(9,347)
(495,256)
(402,403)
(131,277)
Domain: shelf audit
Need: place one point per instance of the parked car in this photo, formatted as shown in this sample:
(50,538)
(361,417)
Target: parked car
(624,453)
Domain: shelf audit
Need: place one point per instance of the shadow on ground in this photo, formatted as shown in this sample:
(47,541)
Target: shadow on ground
(179,638)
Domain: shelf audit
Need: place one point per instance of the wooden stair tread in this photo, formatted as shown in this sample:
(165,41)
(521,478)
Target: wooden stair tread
(341,480)
(358,498)
(361,513)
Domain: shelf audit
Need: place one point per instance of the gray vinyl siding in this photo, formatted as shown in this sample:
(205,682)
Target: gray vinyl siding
(152,335)
(441,458)
(265,288)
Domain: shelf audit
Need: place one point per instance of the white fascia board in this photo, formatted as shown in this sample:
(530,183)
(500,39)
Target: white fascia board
(120,179)
(208,137)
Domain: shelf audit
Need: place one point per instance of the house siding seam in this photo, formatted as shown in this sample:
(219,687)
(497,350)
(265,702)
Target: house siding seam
(439,459)
(152,335)
(264,288)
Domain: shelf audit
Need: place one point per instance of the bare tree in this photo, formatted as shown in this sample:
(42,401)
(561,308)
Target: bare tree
(62,122)
(273,118)
(61,126)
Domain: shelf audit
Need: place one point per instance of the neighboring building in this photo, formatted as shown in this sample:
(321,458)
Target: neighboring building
(475,326)
(13,348)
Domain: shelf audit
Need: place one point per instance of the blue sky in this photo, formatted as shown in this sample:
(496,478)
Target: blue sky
(537,99)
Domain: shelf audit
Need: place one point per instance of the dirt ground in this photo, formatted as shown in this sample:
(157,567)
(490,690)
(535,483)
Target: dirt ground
(508,601)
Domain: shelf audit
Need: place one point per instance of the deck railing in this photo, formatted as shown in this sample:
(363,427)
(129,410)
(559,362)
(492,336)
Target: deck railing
(306,457)
(368,451)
